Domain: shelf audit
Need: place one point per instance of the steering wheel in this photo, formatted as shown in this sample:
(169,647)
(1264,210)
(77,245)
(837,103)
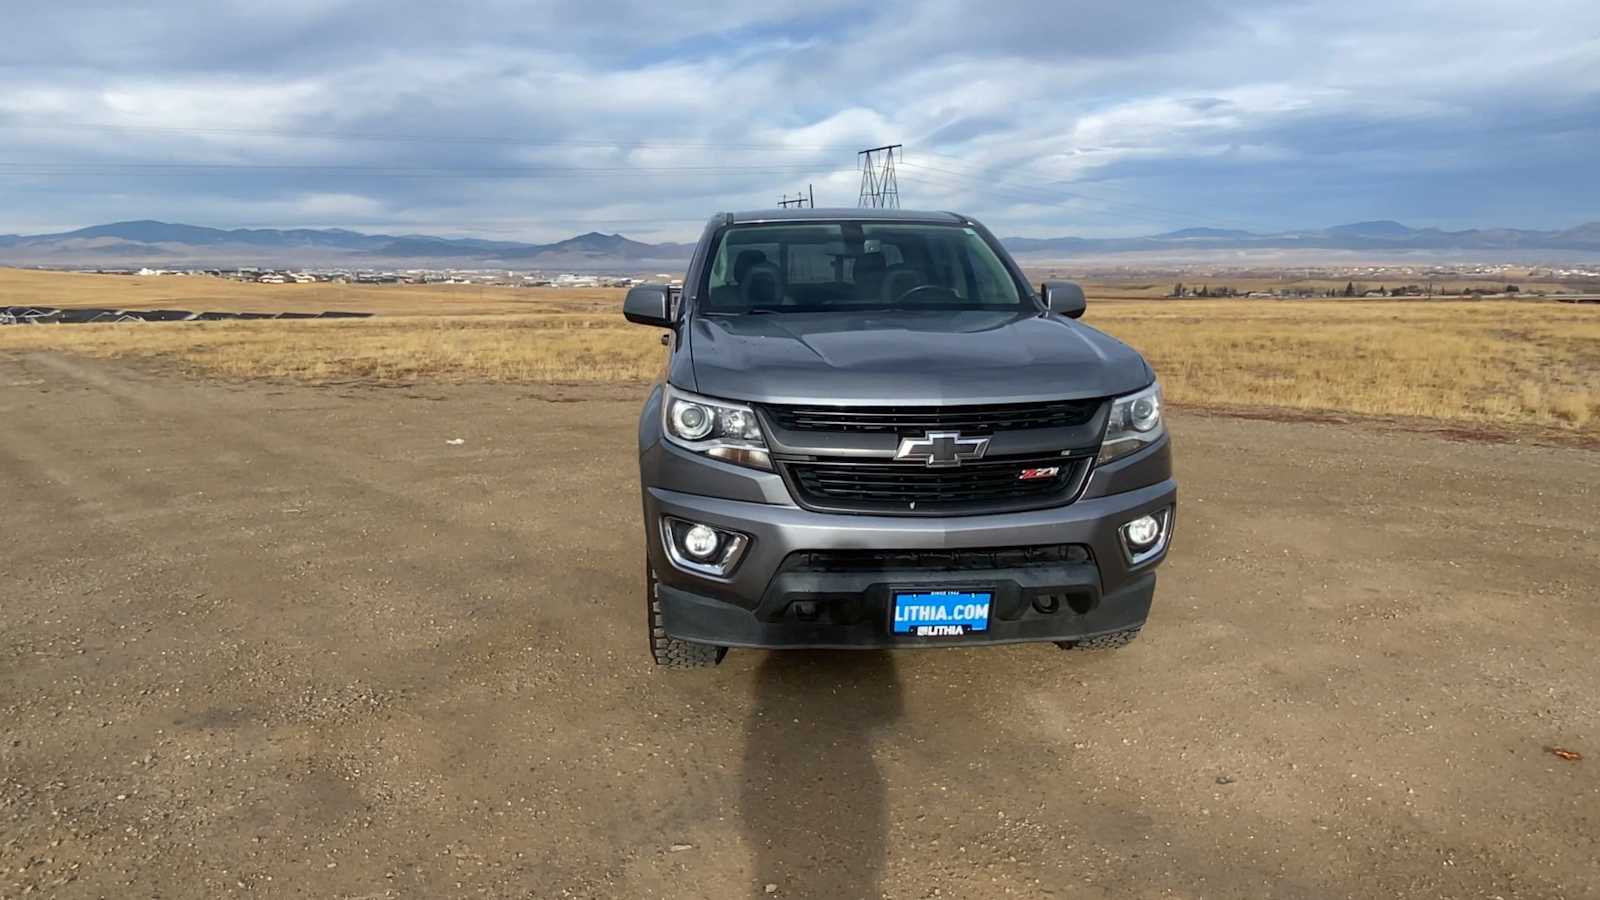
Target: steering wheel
(921,288)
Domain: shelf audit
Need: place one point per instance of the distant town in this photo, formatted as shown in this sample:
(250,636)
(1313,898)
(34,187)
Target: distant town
(1211,280)
(487,278)
(1196,280)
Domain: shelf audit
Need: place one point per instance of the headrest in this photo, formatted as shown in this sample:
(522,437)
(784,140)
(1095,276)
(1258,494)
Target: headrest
(743,262)
(870,264)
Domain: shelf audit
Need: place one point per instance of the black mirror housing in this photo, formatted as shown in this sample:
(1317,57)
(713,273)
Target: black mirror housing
(1065,298)
(649,304)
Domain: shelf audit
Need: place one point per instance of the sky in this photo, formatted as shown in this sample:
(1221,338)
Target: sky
(539,120)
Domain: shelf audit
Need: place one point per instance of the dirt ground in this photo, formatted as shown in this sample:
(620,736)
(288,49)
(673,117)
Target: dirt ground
(269,640)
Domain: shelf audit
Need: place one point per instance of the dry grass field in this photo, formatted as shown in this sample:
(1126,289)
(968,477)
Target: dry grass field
(1483,363)
(522,348)
(1505,366)
(1155,287)
(27,287)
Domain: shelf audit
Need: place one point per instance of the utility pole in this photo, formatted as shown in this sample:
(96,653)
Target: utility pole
(879,189)
(808,198)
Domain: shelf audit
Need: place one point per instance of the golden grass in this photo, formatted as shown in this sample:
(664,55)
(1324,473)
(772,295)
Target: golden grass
(1497,364)
(1494,363)
(523,349)
(27,287)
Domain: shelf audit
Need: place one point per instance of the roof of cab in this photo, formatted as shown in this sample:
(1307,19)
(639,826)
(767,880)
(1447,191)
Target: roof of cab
(847,214)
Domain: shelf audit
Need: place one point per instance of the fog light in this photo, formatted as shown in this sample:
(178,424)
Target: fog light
(1147,537)
(700,542)
(1142,533)
(702,549)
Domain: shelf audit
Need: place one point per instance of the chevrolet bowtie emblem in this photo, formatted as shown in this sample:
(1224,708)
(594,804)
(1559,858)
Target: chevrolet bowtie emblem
(942,448)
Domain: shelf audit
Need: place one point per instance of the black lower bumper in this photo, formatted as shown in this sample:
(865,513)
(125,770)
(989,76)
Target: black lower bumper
(1035,604)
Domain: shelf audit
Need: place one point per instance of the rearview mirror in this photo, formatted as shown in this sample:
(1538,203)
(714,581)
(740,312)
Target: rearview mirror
(649,304)
(1064,298)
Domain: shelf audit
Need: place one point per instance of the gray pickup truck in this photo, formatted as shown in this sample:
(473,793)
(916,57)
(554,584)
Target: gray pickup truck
(873,432)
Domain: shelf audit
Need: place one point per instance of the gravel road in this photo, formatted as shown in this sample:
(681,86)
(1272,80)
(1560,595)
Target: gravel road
(284,641)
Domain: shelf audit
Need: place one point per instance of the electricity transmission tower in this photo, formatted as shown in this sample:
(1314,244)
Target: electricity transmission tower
(809,198)
(879,189)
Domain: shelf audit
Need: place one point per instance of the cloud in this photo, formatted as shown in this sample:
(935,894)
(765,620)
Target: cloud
(522,120)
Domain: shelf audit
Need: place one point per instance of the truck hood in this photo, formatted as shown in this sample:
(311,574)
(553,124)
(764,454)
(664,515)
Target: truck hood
(907,358)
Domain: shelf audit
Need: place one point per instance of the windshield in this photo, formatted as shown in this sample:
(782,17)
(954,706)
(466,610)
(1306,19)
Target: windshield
(832,266)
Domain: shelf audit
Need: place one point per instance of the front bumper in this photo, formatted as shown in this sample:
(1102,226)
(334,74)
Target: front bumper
(758,605)
(691,617)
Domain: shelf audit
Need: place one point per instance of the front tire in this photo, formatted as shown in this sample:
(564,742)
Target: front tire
(1112,641)
(671,652)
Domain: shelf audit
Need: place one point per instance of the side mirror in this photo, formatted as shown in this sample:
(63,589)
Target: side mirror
(649,304)
(1064,298)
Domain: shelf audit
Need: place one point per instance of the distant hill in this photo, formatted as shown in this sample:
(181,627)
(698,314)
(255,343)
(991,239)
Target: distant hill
(1380,237)
(146,241)
(164,243)
(1185,234)
(1386,229)
(607,246)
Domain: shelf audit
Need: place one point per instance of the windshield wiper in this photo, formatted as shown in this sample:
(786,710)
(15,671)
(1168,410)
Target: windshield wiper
(755,311)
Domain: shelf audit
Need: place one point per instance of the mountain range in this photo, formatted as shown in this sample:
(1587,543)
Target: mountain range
(1382,236)
(170,244)
(162,243)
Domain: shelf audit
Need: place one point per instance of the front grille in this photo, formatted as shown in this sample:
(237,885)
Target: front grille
(985,559)
(989,485)
(909,419)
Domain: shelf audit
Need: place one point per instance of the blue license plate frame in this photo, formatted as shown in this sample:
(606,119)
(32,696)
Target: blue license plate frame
(940,613)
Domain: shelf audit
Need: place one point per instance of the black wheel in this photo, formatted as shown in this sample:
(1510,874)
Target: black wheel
(1111,641)
(671,652)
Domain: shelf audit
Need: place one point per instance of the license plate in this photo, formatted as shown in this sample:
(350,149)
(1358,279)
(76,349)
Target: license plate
(940,613)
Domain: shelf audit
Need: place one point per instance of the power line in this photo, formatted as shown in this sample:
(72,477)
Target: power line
(391,137)
(489,226)
(187,170)
(1076,193)
(990,191)
(877,166)
(1033,188)
(969,168)
(881,177)
(397,167)
(1002,191)
(69,166)
(1037,194)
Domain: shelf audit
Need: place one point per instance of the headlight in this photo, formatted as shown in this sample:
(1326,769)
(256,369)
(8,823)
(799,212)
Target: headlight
(1135,424)
(717,428)
(691,421)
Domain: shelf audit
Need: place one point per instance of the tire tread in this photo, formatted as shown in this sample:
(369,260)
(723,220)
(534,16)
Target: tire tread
(672,653)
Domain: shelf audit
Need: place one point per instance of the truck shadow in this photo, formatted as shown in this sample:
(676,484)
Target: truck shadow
(814,805)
